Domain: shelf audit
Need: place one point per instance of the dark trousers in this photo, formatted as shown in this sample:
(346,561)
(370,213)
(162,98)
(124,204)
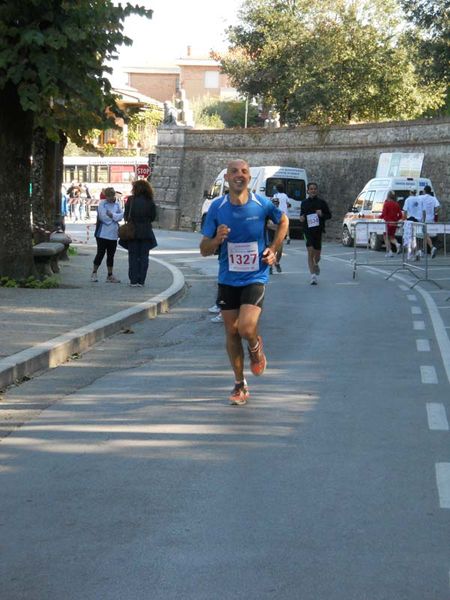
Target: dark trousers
(108,246)
(138,260)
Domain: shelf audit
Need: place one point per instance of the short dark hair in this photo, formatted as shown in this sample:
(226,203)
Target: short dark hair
(427,189)
(312,183)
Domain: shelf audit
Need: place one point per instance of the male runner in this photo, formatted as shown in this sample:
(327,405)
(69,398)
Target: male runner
(313,213)
(236,223)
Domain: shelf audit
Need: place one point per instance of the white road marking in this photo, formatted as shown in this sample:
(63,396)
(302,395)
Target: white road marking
(428,374)
(419,325)
(436,319)
(412,297)
(416,310)
(404,288)
(443,483)
(437,417)
(423,345)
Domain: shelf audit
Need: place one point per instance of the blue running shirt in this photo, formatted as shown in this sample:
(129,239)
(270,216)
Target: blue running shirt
(240,255)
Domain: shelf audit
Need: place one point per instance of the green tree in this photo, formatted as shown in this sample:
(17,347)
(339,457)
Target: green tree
(212,113)
(52,76)
(430,34)
(324,62)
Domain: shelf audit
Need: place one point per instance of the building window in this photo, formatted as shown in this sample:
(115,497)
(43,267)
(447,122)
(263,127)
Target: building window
(211,79)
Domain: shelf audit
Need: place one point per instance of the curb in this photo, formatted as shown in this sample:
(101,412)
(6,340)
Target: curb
(48,355)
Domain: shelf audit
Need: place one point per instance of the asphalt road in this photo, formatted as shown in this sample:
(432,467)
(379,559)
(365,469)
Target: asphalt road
(333,483)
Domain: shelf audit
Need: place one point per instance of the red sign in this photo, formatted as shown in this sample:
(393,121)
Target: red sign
(142,171)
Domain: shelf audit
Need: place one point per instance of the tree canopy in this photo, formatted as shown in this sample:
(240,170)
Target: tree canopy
(53,77)
(430,34)
(328,61)
(54,54)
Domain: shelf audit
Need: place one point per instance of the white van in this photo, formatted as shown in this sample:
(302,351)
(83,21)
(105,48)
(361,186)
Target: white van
(263,182)
(369,204)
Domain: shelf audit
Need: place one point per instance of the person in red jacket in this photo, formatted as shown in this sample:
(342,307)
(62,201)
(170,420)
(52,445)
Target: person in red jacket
(391,213)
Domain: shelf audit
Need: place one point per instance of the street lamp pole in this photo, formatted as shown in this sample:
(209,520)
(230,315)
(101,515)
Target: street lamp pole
(246,112)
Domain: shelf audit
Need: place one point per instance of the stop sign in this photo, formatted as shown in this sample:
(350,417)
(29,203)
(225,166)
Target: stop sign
(142,171)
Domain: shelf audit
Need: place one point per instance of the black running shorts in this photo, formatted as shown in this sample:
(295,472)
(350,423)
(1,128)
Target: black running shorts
(314,239)
(231,297)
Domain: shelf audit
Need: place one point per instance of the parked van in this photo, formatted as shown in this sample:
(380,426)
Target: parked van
(263,182)
(369,204)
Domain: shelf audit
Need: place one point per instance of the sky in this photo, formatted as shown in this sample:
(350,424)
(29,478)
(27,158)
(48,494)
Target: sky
(175,25)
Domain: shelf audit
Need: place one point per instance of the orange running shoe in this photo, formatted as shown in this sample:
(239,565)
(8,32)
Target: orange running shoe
(240,394)
(258,360)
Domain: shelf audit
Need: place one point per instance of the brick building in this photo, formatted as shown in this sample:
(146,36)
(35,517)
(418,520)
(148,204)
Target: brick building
(199,76)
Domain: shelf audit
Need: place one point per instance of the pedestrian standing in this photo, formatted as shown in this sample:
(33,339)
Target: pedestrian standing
(236,225)
(314,212)
(109,214)
(140,209)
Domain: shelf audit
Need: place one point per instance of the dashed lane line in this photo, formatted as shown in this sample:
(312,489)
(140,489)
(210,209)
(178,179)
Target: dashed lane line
(437,417)
(440,330)
(416,310)
(423,345)
(428,374)
(419,325)
(443,483)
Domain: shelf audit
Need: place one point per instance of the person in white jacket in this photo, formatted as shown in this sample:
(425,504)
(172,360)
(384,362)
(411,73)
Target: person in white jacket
(109,214)
(283,203)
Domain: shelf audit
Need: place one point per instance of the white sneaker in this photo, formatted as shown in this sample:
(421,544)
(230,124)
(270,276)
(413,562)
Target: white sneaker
(313,279)
(214,309)
(389,254)
(433,251)
(217,319)
(94,277)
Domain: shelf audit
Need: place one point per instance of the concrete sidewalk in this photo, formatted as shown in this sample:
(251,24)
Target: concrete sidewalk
(42,328)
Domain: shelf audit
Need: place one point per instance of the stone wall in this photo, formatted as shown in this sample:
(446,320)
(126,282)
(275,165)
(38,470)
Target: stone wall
(340,159)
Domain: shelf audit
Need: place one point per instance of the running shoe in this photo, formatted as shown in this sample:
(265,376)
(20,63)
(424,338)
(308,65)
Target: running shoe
(214,309)
(94,277)
(240,394)
(112,279)
(258,360)
(217,319)
(278,268)
(433,251)
(313,279)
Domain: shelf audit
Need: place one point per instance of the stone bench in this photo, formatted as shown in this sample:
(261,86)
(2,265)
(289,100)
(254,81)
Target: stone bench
(62,238)
(46,256)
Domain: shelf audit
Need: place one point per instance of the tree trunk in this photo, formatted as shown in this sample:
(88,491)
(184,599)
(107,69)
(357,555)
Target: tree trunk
(16,126)
(50,184)
(59,176)
(44,198)
(38,175)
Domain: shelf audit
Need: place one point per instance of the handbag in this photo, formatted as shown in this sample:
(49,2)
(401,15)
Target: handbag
(126,231)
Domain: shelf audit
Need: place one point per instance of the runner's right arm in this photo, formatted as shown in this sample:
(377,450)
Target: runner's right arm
(208,246)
